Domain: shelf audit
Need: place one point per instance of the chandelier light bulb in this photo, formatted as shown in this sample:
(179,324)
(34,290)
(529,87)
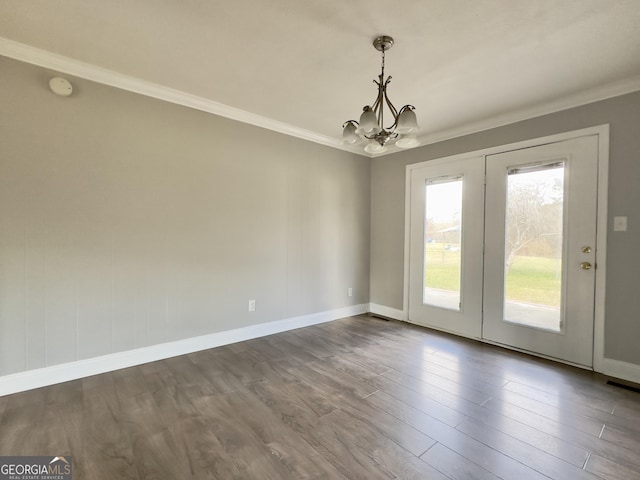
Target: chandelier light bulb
(368,123)
(407,121)
(349,136)
(407,141)
(374,147)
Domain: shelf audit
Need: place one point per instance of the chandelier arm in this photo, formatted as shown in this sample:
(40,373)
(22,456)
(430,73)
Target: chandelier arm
(378,106)
(393,110)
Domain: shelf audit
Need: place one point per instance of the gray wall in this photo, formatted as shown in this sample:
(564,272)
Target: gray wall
(127,222)
(622,320)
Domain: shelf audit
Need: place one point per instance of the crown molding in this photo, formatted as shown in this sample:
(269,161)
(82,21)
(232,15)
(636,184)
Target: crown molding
(586,97)
(59,63)
(43,58)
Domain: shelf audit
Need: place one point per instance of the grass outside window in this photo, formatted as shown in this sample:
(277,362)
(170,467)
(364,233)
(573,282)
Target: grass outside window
(535,280)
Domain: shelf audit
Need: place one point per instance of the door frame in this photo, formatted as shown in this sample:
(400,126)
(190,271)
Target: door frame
(602,132)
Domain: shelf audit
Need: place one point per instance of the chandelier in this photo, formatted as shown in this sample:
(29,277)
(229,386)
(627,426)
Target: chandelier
(371,127)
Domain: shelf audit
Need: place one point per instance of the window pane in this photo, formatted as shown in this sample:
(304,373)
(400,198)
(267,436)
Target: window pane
(443,250)
(533,249)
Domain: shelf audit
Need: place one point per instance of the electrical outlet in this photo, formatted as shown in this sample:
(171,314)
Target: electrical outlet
(252,305)
(350,292)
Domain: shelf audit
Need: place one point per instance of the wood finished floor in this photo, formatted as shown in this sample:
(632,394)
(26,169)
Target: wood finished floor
(359,398)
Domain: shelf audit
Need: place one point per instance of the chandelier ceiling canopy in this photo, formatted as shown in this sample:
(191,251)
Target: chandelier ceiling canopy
(371,127)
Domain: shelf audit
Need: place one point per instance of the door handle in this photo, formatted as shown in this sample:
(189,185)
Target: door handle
(585,266)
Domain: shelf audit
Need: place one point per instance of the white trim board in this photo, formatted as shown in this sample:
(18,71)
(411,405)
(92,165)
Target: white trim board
(41,377)
(386,312)
(600,364)
(43,58)
(624,370)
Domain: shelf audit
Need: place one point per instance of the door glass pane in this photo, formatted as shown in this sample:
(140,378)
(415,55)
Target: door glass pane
(443,249)
(533,246)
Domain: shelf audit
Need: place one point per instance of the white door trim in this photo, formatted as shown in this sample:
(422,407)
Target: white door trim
(602,131)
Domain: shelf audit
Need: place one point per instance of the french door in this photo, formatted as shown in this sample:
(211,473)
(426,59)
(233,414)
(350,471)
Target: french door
(446,246)
(502,247)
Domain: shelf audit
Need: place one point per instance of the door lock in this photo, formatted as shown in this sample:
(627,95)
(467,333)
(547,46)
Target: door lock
(585,266)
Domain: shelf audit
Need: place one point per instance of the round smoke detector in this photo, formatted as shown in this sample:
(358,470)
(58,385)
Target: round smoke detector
(61,86)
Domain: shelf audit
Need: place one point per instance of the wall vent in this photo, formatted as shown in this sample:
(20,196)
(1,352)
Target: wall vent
(622,385)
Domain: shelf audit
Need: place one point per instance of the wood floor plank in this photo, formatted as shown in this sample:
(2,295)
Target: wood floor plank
(535,437)
(437,365)
(358,398)
(534,458)
(351,401)
(583,402)
(454,398)
(63,417)
(167,406)
(290,448)
(541,374)
(587,441)
(204,453)
(292,351)
(455,465)
(380,448)
(621,437)
(317,349)
(184,371)
(326,438)
(34,397)
(474,380)
(598,410)
(238,442)
(159,456)
(3,404)
(107,451)
(564,414)
(610,470)
(417,400)
(352,460)
(628,408)
(454,439)
(358,366)
(428,380)
(156,376)
(18,435)
(325,374)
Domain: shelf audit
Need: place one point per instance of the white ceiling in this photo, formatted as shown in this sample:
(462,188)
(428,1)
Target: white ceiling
(305,67)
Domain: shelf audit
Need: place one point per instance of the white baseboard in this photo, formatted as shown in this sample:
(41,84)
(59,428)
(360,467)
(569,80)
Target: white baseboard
(41,377)
(623,370)
(385,311)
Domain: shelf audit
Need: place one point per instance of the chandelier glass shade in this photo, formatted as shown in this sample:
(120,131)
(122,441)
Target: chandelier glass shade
(370,128)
